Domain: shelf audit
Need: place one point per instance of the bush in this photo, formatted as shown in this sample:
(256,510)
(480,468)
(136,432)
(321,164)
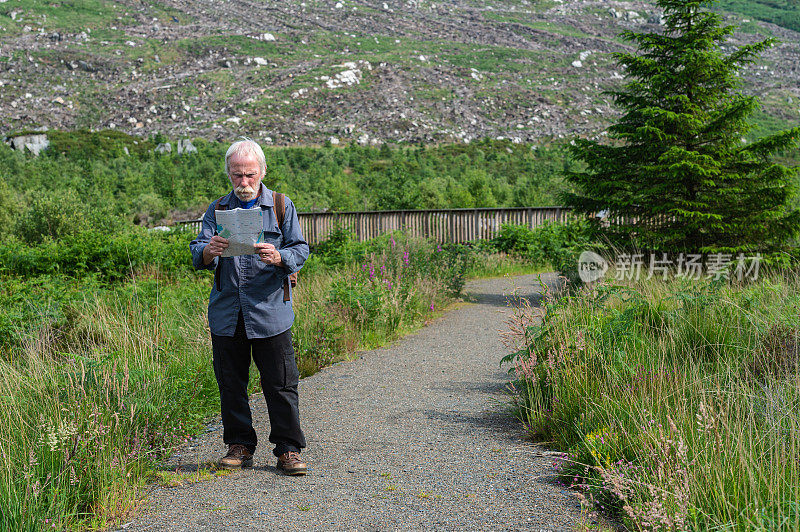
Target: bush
(556,244)
(111,256)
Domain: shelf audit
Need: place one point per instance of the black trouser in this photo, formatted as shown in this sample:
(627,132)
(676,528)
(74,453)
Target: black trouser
(274,358)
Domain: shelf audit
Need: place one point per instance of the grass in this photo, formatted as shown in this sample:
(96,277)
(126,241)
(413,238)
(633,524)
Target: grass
(677,403)
(179,478)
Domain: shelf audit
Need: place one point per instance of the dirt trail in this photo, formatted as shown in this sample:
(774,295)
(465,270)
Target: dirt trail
(413,436)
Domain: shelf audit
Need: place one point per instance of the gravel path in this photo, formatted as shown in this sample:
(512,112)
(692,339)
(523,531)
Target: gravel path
(412,436)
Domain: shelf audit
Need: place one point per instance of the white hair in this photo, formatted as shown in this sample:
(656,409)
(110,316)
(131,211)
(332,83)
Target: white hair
(245,146)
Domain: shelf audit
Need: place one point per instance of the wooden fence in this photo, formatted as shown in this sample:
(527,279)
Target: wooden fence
(443,225)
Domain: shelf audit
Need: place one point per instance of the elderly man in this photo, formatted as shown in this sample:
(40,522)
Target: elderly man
(249,314)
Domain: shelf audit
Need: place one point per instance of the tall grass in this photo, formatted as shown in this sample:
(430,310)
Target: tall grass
(99,380)
(676,403)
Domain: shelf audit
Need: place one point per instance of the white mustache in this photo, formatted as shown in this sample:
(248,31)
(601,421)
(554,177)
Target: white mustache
(245,193)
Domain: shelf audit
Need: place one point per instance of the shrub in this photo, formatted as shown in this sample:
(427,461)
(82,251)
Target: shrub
(556,244)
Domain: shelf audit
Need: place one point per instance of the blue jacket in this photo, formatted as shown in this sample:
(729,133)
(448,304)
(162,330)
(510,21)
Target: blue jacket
(246,283)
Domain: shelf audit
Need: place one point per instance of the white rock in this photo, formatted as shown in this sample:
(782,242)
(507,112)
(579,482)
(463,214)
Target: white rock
(164,147)
(334,141)
(33,143)
(344,78)
(185,146)
(267,37)
(584,55)
(260,61)
(476,75)
(59,100)
(339,5)
(132,120)
(577,63)
(422,58)
(235,119)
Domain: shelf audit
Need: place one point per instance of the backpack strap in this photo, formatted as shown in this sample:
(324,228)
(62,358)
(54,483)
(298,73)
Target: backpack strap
(279,207)
(217,281)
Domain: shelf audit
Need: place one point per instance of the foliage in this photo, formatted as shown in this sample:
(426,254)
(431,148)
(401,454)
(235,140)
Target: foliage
(122,176)
(675,403)
(108,256)
(676,176)
(558,245)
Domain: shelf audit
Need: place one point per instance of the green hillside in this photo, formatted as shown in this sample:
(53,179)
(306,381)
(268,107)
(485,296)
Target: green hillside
(784,13)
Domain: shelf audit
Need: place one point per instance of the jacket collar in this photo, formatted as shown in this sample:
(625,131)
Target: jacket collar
(264,200)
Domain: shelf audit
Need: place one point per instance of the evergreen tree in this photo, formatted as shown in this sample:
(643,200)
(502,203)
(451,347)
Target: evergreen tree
(676,175)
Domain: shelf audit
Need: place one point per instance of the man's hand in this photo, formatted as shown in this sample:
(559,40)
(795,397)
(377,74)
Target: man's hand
(214,248)
(268,254)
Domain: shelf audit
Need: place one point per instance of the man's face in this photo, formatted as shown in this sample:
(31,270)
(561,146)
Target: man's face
(245,176)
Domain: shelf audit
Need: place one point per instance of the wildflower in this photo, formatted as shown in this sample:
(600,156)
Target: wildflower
(393,242)
(431,307)
(405,258)
(525,368)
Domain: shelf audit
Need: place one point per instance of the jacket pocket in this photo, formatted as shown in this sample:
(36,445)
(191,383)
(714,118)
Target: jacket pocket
(272,237)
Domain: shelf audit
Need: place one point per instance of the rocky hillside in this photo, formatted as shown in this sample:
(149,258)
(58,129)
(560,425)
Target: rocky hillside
(291,71)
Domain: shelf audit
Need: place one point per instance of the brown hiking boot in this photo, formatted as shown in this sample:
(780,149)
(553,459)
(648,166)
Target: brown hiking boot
(238,457)
(291,464)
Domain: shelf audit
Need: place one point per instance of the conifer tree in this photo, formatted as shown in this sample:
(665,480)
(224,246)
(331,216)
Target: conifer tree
(676,175)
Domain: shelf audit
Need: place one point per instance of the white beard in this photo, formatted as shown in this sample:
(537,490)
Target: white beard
(245,193)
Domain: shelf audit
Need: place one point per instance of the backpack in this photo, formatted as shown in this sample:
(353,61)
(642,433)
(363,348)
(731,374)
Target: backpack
(279,208)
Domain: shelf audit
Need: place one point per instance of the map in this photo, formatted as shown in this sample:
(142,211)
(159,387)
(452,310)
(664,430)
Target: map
(242,228)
